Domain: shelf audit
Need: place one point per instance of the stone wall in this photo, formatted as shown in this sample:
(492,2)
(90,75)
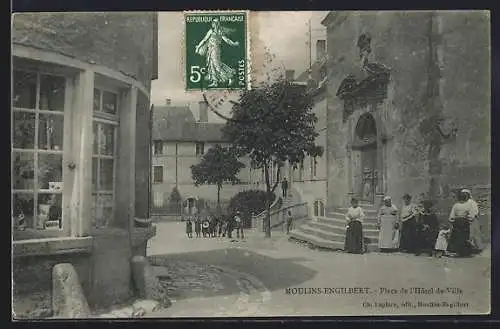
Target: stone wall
(400,40)
(122,41)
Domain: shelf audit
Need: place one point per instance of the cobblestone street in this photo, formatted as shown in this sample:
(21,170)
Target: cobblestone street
(257,277)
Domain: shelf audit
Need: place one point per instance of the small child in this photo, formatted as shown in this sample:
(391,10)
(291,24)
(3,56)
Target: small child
(442,240)
(189,228)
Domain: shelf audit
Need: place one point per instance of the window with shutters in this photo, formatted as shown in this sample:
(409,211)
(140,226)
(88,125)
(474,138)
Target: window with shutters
(157,174)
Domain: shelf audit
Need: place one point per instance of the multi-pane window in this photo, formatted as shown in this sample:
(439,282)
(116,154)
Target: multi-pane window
(38,106)
(105,127)
(200,148)
(314,164)
(158,148)
(157,174)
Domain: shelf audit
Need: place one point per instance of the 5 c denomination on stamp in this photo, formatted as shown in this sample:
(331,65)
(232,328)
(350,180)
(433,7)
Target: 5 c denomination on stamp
(216,50)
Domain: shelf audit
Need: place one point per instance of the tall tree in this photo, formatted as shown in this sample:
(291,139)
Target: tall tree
(218,166)
(273,123)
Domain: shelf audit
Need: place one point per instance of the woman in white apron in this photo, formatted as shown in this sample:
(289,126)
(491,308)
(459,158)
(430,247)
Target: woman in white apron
(388,223)
(475,237)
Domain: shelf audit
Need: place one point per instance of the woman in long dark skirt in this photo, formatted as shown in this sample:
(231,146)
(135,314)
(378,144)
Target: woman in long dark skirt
(409,225)
(460,218)
(427,230)
(354,230)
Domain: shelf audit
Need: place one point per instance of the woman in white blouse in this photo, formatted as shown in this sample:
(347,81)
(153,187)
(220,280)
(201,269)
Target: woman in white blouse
(354,228)
(460,218)
(475,228)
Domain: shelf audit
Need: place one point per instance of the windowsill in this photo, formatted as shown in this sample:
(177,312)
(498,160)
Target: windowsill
(51,246)
(45,246)
(30,234)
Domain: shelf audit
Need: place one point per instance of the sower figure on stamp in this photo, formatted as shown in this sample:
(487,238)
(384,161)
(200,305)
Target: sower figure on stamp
(210,47)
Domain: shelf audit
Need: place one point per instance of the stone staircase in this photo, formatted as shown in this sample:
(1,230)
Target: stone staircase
(329,232)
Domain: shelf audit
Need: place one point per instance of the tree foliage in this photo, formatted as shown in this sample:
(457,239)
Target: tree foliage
(274,123)
(218,166)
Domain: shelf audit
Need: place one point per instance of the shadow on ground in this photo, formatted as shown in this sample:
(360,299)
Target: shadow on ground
(275,274)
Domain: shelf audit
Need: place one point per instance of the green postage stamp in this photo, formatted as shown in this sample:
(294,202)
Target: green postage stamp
(216,50)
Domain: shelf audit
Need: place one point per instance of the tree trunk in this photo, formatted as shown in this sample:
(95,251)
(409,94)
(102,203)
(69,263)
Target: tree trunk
(267,220)
(218,199)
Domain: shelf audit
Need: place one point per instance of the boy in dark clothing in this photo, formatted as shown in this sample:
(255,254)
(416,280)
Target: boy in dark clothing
(189,228)
(284,187)
(197,227)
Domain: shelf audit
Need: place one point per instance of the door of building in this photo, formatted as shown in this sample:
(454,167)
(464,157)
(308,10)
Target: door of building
(369,173)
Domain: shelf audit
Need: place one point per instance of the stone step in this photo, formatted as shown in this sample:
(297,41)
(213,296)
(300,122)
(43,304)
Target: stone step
(324,243)
(316,241)
(321,233)
(368,232)
(367,211)
(337,215)
(328,235)
(340,222)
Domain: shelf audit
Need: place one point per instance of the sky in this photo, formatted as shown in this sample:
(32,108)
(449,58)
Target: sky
(285,33)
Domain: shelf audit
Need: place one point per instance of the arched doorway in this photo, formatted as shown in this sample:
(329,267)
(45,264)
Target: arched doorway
(366,164)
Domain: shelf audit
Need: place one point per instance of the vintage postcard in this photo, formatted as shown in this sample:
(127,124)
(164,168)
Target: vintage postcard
(250,164)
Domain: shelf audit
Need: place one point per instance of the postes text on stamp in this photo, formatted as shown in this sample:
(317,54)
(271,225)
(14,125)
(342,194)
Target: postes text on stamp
(216,50)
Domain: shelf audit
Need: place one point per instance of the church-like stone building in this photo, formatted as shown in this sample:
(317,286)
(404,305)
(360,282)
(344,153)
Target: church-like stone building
(408,106)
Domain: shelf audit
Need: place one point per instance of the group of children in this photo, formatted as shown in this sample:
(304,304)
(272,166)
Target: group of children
(213,226)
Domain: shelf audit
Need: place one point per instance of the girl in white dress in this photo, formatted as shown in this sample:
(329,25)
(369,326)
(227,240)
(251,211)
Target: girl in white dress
(442,240)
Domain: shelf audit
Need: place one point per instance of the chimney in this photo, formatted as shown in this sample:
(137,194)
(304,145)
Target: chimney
(320,49)
(203,111)
(290,75)
(168,102)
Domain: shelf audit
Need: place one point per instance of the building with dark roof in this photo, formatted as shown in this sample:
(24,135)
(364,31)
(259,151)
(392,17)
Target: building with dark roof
(179,141)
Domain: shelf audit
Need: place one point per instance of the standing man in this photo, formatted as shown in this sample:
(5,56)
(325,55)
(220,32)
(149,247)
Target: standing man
(284,187)
(239,225)
(289,222)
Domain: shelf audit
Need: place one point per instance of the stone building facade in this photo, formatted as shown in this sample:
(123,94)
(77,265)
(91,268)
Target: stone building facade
(310,178)
(408,105)
(80,148)
(180,141)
